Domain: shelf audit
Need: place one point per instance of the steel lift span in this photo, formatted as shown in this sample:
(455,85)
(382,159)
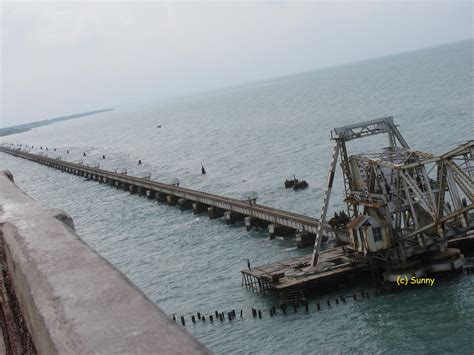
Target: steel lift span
(403,205)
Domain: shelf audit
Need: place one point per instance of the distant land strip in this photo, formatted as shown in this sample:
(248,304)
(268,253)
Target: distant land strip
(28,126)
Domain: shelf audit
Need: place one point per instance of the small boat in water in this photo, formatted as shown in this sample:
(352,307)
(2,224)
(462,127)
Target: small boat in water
(290,183)
(300,185)
(296,184)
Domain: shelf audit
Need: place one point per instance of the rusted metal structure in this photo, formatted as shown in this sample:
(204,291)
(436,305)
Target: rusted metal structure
(402,203)
(405,211)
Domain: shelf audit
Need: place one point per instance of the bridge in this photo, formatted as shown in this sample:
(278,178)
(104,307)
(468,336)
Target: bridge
(277,221)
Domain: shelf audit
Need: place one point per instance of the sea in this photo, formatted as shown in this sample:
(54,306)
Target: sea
(250,139)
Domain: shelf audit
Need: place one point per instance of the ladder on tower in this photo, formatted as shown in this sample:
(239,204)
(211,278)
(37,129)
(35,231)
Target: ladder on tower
(421,196)
(324,210)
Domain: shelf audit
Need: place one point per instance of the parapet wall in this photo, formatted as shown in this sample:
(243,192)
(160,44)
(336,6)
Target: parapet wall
(59,296)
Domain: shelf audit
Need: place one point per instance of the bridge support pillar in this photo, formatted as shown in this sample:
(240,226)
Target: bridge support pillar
(185,204)
(199,208)
(215,212)
(141,191)
(160,197)
(150,194)
(276,229)
(172,200)
(132,189)
(304,239)
(232,217)
(254,223)
(125,186)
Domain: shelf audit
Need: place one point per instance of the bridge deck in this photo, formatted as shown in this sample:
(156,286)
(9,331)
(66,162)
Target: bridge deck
(272,215)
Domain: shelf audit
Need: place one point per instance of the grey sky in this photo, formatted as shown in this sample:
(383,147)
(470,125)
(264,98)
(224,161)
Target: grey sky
(62,58)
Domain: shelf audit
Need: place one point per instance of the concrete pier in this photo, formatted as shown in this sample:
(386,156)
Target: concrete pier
(171,200)
(255,223)
(276,229)
(215,212)
(161,197)
(304,239)
(233,217)
(60,297)
(150,194)
(199,208)
(185,204)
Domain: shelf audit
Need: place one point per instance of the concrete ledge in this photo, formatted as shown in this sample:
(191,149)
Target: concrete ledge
(72,300)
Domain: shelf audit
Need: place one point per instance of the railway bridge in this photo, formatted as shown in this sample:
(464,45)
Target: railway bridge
(255,216)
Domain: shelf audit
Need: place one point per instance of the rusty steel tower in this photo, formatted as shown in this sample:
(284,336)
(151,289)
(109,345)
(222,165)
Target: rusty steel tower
(401,203)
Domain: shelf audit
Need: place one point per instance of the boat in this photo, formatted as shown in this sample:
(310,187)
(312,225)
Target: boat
(300,185)
(296,184)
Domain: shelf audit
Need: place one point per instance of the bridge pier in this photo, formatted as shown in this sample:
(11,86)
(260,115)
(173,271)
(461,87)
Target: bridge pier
(125,186)
(277,229)
(141,191)
(215,212)
(132,189)
(185,204)
(199,208)
(150,194)
(172,200)
(304,239)
(254,223)
(160,197)
(233,217)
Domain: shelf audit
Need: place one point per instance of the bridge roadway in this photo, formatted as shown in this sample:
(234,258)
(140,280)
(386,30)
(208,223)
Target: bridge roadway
(275,217)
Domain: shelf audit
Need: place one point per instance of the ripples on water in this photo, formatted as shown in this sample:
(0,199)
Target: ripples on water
(251,139)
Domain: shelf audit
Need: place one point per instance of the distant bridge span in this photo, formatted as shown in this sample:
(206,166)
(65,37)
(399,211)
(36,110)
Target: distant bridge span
(217,206)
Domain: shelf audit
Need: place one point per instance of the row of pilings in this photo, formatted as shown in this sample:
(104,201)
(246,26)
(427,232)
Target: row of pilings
(300,306)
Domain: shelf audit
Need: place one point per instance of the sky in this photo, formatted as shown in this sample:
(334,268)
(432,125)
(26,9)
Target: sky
(59,58)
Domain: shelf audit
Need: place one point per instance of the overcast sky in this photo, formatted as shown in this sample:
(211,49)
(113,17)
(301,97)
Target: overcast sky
(63,58)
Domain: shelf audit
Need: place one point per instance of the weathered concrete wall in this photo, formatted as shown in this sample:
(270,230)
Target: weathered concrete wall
(72,300)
